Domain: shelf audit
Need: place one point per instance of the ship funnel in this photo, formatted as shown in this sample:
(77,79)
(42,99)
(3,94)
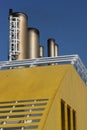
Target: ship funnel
(56,49)
(18,23)
(51,47)
(41,51)
(33,43)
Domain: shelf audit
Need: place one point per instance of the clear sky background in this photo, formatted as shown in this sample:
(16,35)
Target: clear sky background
(63,20)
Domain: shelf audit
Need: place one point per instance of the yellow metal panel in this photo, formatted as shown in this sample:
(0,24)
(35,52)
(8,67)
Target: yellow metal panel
(74,92)
(51,82)
(30,83)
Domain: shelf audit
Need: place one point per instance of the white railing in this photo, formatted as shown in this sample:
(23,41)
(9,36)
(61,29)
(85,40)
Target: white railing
(66,59)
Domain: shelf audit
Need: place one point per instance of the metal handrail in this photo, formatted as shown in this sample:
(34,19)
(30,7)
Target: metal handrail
(66,59)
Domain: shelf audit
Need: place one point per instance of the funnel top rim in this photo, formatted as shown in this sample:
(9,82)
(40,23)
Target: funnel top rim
(33,29)
(19,14)
(51,39)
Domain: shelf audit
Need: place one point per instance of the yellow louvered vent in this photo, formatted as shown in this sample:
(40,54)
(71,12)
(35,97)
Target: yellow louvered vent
(21,114)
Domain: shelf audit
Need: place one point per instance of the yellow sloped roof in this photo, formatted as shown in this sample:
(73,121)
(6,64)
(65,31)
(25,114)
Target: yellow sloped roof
(26,95)
(29,83)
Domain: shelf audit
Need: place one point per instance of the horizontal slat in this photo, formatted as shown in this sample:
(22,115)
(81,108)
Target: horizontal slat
(20,124)
(22,104)
(20,113)
(23,108)
(23,118)
(28,129)
(22,128)
(19,101)
(20,121)
(19,128)
(32,100)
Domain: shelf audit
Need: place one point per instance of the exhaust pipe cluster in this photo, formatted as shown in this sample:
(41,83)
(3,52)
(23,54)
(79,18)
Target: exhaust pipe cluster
(24,41)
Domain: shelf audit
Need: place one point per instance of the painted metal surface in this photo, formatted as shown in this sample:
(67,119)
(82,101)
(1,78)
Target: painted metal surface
(30,98)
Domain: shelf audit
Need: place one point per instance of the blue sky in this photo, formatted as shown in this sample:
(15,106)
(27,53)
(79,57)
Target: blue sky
(63,20)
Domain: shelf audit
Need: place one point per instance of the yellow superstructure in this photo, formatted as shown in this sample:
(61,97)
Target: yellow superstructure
(42,98)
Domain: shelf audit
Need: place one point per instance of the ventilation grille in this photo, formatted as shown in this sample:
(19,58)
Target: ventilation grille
(21,114)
